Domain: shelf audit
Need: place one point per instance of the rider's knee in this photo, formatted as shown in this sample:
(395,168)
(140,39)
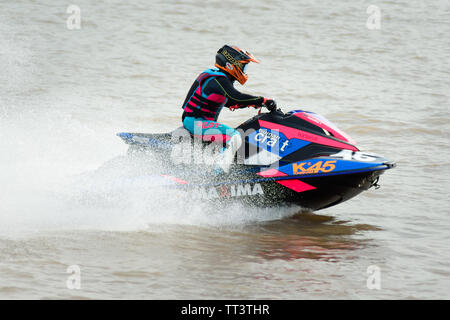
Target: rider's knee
(235,140)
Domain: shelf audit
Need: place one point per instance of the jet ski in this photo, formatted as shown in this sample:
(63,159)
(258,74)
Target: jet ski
(298,157)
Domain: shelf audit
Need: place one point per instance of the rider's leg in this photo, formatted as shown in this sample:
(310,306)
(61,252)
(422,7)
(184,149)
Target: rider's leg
(227,157)
(209,130)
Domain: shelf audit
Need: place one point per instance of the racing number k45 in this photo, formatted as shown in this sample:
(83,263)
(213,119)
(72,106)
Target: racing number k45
(308,168)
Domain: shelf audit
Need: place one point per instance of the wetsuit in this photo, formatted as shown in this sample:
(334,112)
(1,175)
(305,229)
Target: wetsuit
(210,92)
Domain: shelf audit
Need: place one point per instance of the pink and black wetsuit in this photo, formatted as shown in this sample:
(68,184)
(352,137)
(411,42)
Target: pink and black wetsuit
(210,92)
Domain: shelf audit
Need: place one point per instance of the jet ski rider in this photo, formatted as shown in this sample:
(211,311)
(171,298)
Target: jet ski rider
(211,91)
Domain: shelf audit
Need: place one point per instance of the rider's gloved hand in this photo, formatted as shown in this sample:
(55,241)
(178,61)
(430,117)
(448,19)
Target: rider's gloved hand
(270,104)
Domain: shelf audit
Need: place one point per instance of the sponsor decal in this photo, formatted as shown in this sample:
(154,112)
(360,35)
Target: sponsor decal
(208,125)
(325,165)
(229,66)
(271,139)
(267,137)
(284,145)
(231,191)
(231,59)
(313,167)
(358,156)
(273,142)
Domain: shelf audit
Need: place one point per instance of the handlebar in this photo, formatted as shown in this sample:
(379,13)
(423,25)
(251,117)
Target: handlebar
(234,107)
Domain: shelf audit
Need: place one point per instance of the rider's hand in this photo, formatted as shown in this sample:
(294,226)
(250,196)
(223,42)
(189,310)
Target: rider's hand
(270,104)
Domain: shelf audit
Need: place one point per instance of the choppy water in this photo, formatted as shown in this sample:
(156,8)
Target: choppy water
(65,93)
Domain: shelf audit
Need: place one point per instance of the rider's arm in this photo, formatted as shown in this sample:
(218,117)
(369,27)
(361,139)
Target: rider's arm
(234,96)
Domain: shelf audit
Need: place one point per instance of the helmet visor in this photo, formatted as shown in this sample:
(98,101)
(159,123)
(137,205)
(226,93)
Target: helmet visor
(245,67)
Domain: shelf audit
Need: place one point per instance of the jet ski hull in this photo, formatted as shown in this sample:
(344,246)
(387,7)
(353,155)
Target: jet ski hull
(295,158)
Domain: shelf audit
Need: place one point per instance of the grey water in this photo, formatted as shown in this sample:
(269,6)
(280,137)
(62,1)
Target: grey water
(65,92)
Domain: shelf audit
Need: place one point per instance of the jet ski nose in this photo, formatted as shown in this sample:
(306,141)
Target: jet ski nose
(390,164)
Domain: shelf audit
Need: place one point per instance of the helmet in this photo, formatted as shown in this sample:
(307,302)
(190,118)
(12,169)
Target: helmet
(233,60)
